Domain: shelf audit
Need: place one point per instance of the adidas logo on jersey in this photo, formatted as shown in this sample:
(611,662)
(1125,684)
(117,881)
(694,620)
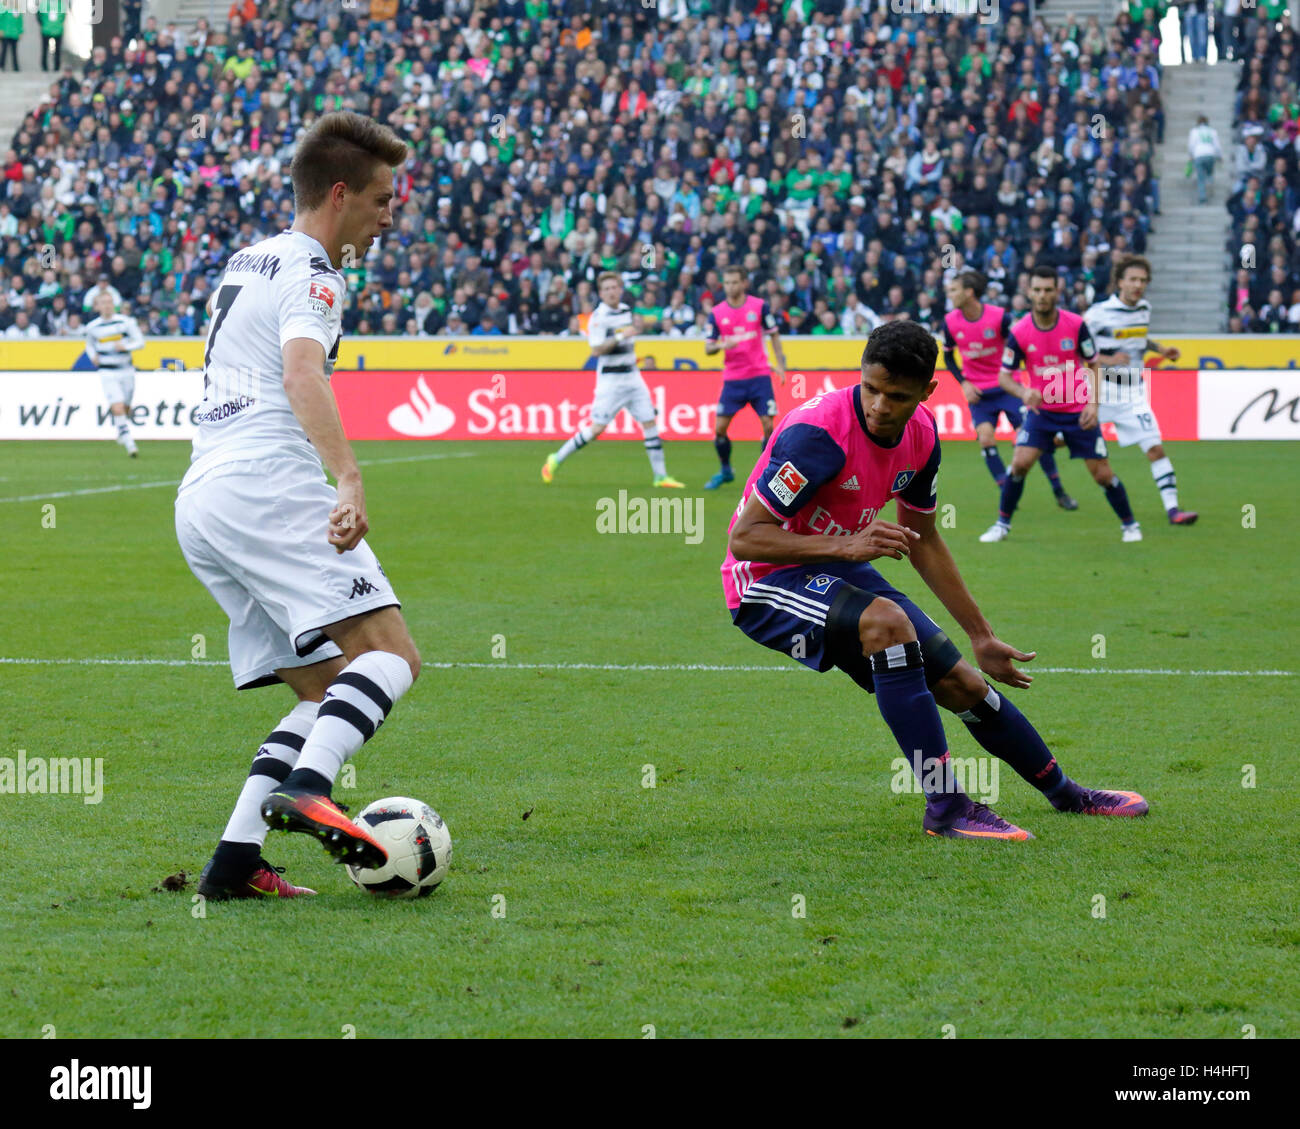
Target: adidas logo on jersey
(851,484)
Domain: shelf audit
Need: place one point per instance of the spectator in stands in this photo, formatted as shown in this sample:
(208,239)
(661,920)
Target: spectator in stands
(1203,150)
(1250,158)
(11,31)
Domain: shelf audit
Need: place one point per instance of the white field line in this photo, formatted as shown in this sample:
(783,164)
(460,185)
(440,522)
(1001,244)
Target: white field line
(175,482)
(657,667)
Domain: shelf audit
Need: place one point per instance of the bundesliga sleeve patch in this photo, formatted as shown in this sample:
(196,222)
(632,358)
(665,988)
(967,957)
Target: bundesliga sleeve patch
(321,299)
(786,483)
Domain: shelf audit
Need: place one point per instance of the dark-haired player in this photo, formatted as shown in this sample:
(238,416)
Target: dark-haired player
(740,326)
(1055,347)
(979,331)
(797,579)
(281,550)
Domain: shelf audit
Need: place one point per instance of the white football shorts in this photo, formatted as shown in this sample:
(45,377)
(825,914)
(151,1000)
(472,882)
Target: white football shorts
(612,396)
(1134,422)
(254,533)
(118,384)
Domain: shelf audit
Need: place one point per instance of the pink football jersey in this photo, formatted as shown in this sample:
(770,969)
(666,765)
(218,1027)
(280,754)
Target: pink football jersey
(1055,360)
(747,324)
(823,473)
(980,343)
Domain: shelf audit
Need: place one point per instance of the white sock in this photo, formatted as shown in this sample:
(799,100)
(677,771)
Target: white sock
(1162,470)
(355,706)
(271,765)
(577,442)
(654,448)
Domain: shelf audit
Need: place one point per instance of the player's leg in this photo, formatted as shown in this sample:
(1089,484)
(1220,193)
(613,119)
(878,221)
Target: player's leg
(763,401)
(237,868)
(579,439)
(1004,732)
(642,407)
(1047,460)
(1138,424)
(892,649)
(1162,470)
(260,654)
(985,434)
(1028,450)
(382,664)
(721,443)
(1105,477)
(119,388)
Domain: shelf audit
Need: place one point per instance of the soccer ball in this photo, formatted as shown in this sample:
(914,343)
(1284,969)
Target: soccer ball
(418,845)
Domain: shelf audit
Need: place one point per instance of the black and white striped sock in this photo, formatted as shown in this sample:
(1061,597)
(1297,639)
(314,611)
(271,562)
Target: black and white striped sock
(355,705)
(273,762)
(654,449)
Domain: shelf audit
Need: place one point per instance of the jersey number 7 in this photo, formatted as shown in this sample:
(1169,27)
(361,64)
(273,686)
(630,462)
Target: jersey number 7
(225,299)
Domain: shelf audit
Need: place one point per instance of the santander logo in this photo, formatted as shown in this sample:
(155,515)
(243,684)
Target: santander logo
(421,416)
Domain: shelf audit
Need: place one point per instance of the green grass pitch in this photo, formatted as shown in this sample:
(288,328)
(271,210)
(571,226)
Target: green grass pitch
(771,883)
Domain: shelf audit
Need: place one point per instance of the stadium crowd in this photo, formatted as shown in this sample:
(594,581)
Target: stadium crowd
(1264,179)
(850,158)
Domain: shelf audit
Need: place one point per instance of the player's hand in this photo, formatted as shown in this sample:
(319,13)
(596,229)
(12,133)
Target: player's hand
(1033,399)
(1172,353)
(779,369)
(995,658)
(882,539)
(972,394)
(1088,417)
(348,522)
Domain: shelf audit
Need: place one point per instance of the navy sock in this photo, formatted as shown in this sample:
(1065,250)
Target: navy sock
(1005,732)
(993,461)
(1011,491)
(1047,460)
(305,780)
(909,709)
(1117,496)
(723,446)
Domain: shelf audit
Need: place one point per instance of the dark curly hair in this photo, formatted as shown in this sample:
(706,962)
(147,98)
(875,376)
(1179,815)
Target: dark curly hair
(904,349)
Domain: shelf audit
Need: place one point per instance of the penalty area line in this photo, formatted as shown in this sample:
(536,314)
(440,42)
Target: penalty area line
(118,487)
(658,667)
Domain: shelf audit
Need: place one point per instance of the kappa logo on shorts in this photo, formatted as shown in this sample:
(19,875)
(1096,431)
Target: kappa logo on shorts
(787,482)
(820,583)
(361,587)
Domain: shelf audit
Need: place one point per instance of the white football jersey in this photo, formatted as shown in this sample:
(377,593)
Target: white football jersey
(1118,328)
(604,323)
(271,293)
(119,332)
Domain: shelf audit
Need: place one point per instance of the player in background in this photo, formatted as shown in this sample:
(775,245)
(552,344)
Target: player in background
(797,579)
(1055,347)
(979,330)
(111,338)
(281,550)
(739,327)
(1119,325)
(619,383)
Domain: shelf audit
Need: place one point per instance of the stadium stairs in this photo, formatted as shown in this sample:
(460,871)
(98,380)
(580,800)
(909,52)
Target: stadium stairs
(1190,258)
(23,91)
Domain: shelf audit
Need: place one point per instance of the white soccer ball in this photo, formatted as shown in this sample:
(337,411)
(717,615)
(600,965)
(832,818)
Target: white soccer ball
(418,845)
